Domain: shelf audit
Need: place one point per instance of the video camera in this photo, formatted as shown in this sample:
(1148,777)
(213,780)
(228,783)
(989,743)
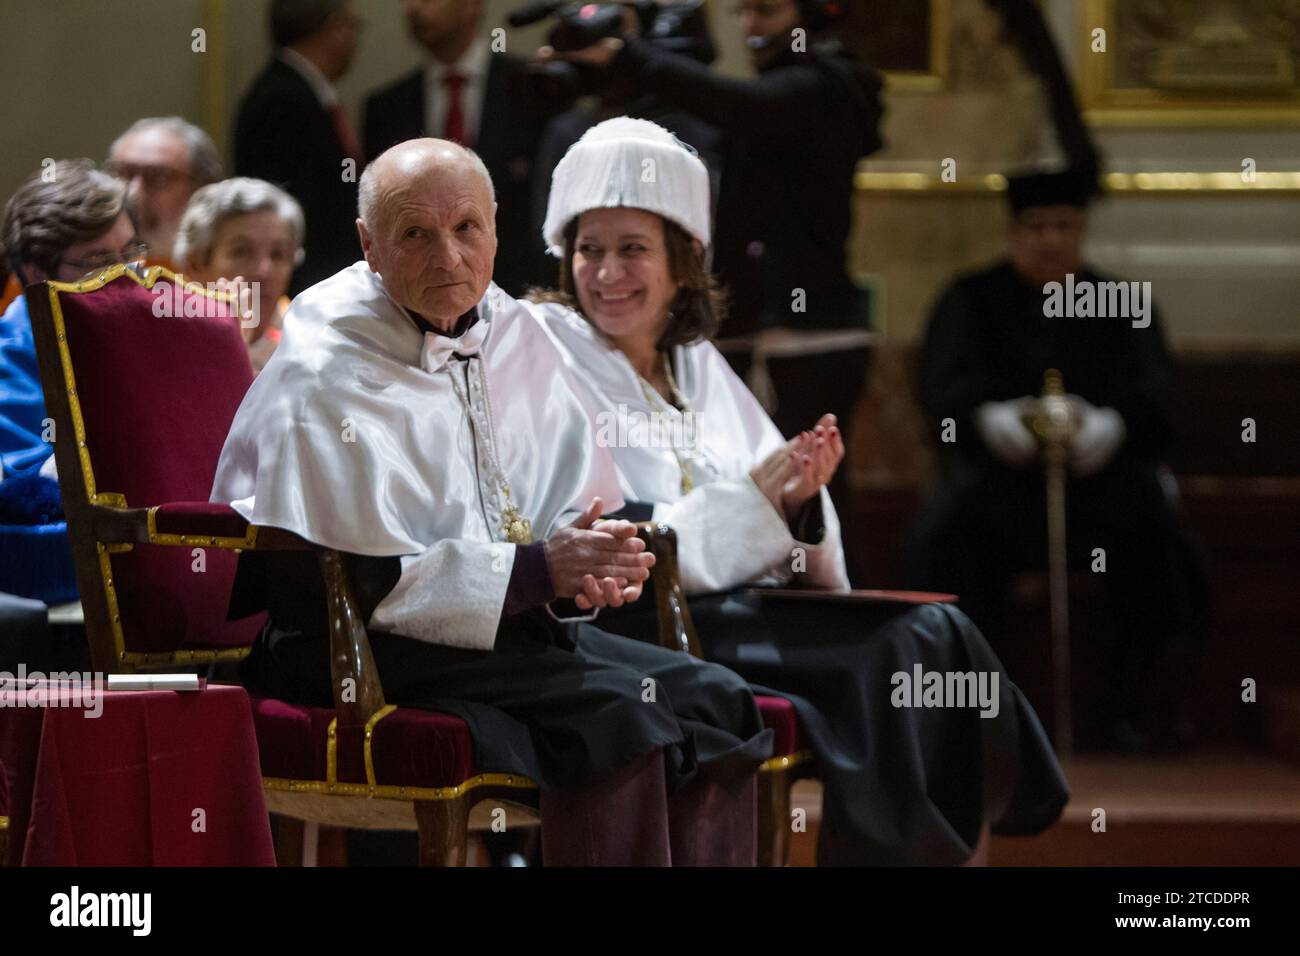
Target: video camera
(680,27)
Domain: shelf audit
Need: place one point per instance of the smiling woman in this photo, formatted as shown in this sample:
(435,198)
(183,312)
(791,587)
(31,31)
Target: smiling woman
(749,508)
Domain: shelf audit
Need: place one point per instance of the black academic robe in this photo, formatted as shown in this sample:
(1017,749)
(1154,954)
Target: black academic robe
(284,135)
(902,785)
(989,340)
(506,140)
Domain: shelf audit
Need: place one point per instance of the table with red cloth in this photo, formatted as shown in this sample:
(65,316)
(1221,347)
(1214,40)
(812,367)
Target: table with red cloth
(123,788)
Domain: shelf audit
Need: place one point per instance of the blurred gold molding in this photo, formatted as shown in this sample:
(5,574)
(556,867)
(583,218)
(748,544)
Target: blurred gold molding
(1116,184)
(1156,115)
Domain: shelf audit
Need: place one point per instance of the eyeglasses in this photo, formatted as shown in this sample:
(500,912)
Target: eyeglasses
(152,177)
(132,252)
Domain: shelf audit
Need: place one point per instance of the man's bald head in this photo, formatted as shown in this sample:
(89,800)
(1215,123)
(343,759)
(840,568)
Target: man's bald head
(428,227)
(414,158)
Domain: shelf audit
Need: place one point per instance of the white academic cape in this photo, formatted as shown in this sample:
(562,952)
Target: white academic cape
(354,438)
(728,533)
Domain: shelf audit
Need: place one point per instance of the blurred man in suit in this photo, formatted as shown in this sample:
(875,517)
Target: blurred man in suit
(292,131)
(464,95)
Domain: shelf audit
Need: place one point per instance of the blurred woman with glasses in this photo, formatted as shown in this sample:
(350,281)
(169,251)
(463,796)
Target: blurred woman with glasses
(60,227)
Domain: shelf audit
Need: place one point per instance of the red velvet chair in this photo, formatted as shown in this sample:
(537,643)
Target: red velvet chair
(141,406)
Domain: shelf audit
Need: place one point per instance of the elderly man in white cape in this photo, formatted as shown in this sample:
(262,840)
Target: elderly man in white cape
(418,419)
(695,449)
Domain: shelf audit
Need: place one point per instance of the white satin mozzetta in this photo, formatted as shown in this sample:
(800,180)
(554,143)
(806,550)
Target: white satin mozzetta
(727,532)
(354,438)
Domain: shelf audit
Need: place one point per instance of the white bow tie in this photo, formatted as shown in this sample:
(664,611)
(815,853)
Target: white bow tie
(439,348)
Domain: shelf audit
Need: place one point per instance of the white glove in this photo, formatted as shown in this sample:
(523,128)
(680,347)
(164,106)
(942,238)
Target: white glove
(1100,433)
(1003,430)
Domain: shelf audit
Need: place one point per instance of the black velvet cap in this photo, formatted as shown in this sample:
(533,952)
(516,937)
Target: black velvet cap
(1070,187)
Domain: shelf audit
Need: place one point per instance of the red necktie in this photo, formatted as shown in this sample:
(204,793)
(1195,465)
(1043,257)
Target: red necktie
(455,127)
(346,134)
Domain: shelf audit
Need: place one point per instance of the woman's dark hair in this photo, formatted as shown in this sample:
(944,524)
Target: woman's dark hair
(700,304)
(53,209)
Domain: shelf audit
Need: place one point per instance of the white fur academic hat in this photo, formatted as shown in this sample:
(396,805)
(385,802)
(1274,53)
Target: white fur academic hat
(631,163)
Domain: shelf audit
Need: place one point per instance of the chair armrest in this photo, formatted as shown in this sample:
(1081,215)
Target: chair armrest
(355,683)
(186,524)
(870,609)
(676,630)
(867,598)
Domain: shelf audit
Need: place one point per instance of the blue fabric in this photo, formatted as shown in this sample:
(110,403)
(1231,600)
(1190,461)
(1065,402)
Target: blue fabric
(36,562)
(22,404)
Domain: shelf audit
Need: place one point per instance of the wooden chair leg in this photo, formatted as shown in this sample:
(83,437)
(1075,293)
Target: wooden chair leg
(288,841)
(774,818)
(332,846)
(444,831)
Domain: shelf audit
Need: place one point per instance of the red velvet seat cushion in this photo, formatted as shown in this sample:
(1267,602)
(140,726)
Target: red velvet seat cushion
(410,748)
(778,714)
(158,394)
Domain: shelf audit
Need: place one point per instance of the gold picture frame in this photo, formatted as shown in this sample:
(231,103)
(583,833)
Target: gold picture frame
(910,60)
(1217,64)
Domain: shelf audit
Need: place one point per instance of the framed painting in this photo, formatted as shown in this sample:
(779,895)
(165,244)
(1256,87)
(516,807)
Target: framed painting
(905,39)
(1190,62)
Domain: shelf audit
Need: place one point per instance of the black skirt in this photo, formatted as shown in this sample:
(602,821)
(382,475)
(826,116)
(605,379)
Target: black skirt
(563,712)
(902,784)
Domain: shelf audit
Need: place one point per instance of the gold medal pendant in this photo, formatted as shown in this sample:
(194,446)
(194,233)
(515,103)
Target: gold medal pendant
(518,530)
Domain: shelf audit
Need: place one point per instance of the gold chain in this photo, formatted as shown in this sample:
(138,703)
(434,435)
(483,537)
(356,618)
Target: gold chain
(517,528)
(653,397)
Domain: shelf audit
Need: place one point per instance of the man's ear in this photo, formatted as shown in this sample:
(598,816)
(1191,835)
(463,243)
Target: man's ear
(365,244)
